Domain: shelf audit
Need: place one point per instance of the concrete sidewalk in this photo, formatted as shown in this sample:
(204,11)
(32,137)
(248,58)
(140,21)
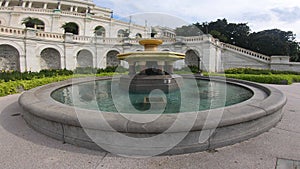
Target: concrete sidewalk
(22,147)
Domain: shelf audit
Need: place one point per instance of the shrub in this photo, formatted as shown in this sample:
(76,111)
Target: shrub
(258,71)
(7,76)
(85,70)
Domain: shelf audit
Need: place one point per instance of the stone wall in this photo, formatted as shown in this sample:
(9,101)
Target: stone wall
(231,59)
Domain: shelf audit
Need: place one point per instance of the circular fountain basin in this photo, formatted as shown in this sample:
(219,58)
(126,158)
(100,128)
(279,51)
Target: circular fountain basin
(238,122)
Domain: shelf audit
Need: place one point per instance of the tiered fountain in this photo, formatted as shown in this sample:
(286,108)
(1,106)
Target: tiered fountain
(100,114)
(155,69)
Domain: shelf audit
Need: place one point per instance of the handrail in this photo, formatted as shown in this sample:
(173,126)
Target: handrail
(89,39)
(83,38)
(12,31)
(52,36)
(246,51)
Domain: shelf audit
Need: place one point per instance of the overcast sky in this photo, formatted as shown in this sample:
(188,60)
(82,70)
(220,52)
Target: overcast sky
(259,14)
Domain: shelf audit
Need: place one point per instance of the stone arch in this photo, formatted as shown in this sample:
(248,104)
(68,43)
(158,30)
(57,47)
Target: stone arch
(19,48)
(100,31)
(138,35)
(9,57)
(50,59)
(59,49)
(71,27)
(123,33)
(111,58)
(192,58)
(46,21)
(84,58)
(33,22)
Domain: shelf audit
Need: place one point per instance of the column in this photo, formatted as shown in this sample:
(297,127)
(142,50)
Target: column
(71,9)
(160,67)
(132,69)
(6,4)
(30,5)
(76,9)
(23,67)
(170,68)
(143,67)
(45,5)
(1,3)
(24,4)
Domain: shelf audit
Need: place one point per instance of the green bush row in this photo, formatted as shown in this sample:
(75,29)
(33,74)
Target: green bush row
(6,76)
(110,69)
(269,79)
(193,69)
(13,87)
(258,71)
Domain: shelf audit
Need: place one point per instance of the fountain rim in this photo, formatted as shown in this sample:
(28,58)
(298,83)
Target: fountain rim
(38,102)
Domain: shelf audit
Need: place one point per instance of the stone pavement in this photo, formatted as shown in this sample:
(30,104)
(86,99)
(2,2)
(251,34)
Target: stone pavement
(22,147)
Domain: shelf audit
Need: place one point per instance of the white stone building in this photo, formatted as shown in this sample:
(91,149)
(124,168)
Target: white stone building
(99,38)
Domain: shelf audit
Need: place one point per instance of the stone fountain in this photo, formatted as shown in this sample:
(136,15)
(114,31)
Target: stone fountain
(151,69)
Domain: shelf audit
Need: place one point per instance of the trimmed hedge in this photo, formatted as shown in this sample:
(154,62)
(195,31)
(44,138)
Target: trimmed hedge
(258,71)
(89,70)
(269,79)
(13,87)
(6,76)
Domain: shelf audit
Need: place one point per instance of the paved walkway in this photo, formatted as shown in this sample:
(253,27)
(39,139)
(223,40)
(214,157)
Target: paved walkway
(22,147)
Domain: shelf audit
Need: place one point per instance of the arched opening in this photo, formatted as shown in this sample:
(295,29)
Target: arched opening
(138,35)
(99,31)
(50,59)
(111,58)
(192,59)
(9,58)
(71,27)
(35,23)
(123,33)
(84,59)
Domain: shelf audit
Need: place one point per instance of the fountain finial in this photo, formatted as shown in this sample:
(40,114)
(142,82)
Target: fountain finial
(151,44)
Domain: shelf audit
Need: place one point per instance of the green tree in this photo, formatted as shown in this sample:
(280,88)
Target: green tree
(30,22)
(190,30)
(274,42)
(71,27)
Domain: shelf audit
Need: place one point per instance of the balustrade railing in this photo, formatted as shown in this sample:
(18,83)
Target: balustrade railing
(192,39)
(12,31)
(83,38)
(245,51)
(38,10)
(6,8)
(88,39)
(52,36)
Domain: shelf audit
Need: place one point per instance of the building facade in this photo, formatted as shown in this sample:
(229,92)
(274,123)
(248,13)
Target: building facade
(98,38)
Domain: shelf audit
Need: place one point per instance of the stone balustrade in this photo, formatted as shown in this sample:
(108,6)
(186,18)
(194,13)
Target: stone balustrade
(12,31)
(83,38)
(192,39)
(39,10)
(52,36)
(6,8)
(89,39)
(73,13)
(245,51)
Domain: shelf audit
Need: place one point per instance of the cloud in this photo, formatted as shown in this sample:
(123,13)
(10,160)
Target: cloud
(259,14)
(287,14)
